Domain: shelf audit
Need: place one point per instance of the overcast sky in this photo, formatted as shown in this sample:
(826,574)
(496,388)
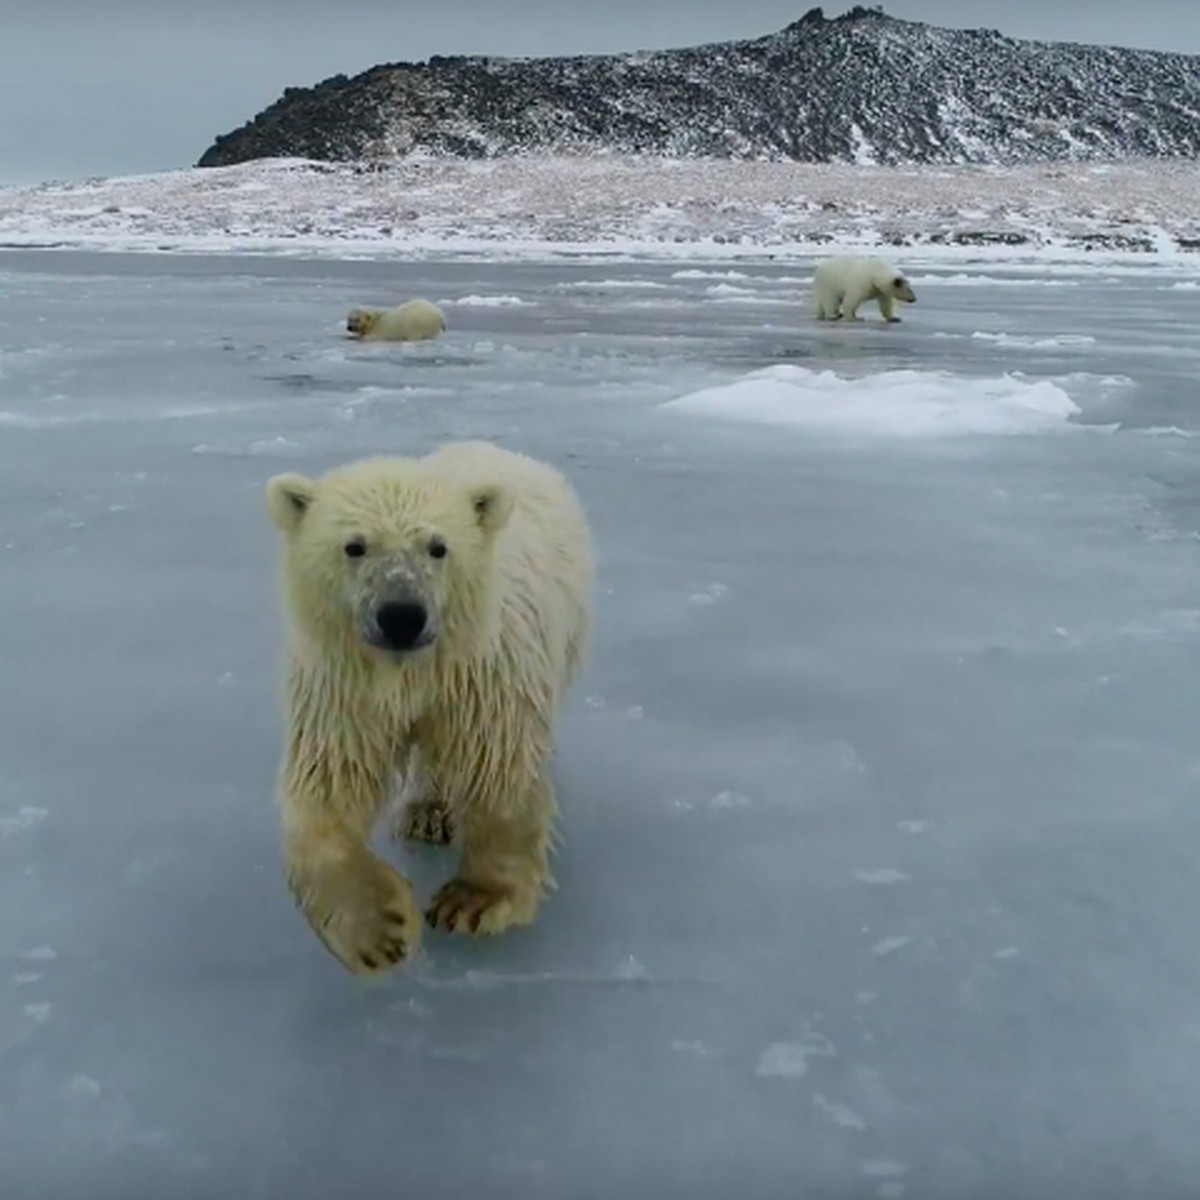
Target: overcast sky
(119,86)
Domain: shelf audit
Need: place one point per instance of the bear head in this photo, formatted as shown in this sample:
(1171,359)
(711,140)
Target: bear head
(360,321)
(899,287)
(383,556)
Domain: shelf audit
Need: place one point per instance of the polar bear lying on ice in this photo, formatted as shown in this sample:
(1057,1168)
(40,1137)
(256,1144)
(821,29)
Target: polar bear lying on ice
(413,321)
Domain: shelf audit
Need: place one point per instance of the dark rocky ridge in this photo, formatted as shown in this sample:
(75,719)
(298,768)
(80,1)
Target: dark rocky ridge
(860,87)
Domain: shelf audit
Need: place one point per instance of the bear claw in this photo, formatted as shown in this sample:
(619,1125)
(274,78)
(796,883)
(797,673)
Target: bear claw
(472,908)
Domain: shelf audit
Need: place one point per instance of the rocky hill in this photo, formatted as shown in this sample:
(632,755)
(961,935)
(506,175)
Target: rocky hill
(862,87)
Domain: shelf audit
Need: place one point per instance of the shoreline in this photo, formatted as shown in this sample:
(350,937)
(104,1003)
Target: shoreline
(608,209)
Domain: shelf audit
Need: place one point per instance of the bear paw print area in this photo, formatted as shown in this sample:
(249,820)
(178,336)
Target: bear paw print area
(568,676)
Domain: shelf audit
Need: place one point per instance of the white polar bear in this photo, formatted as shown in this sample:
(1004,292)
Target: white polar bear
(840,285)
(438,610)
(413,321)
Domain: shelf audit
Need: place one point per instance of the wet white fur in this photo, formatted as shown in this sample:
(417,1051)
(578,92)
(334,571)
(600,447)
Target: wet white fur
(477,710)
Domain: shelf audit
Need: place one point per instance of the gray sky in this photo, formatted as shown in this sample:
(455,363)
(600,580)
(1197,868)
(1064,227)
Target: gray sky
(122,86)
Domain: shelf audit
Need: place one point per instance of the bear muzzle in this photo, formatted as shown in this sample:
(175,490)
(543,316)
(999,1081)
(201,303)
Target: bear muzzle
(358,322)
(401,626)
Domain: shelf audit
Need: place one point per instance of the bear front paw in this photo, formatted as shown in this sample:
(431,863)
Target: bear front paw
(475,908)
(426,821)
(364,913)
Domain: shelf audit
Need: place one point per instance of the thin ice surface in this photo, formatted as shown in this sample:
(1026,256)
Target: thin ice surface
(879,792)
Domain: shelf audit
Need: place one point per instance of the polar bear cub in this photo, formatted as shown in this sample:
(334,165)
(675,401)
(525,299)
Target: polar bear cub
(438,608)
(840,285)
(413,321)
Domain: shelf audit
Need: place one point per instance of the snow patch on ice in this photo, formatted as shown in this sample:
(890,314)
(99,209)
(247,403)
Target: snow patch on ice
(789,1060)
(83,1087)
(610,285)
(1065,341)
(903,403)
(882,877)
(840,1114)
(724,801)
(630,970)
(696,1049)
(697,273)
(26,818)
(477,301)
(988,281)
(711,594)
(883,1168)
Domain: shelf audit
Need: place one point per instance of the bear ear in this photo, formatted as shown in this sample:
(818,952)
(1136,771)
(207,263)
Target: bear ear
(492,504)
(288,499)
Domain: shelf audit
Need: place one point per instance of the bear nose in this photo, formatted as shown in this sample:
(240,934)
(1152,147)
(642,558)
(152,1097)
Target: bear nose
(401,623)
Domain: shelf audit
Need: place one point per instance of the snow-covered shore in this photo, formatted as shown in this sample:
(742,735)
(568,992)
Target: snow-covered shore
(600,206)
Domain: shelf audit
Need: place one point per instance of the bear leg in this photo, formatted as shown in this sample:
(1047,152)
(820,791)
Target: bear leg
(426,821)
(423,815)
(887,308)
(850,303)
(361,908)
(827,307)
(504,872)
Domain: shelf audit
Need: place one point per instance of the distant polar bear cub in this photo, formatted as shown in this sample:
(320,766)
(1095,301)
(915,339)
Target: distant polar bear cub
(413,321)
(840,285)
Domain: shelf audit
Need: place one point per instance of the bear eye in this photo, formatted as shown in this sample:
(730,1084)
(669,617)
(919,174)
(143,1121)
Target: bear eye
(437,548)
(355,548)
